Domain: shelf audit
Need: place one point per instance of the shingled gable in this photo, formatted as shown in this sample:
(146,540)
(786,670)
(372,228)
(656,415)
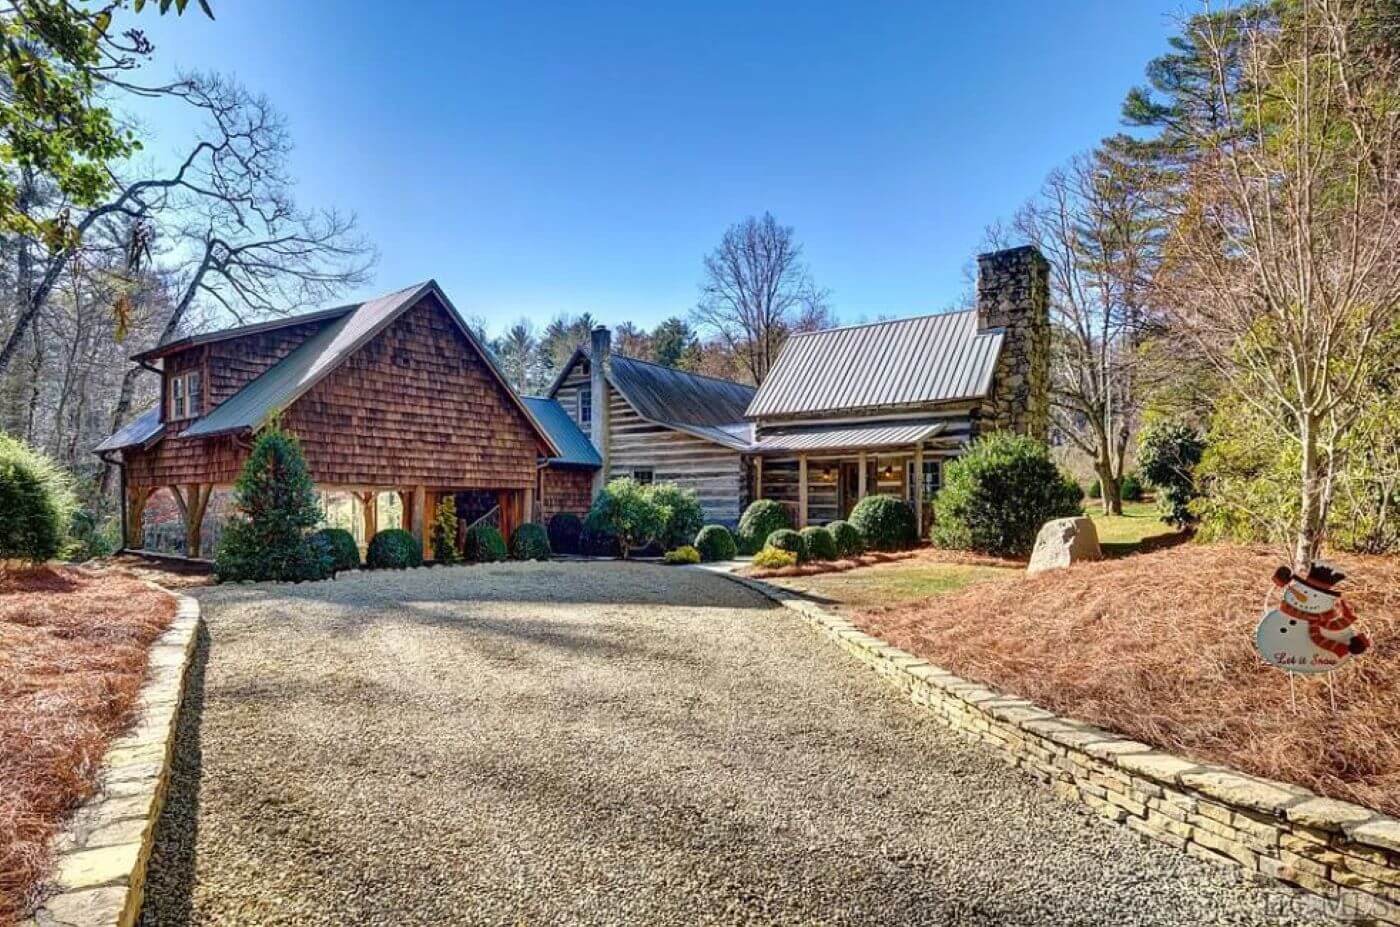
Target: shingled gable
(289,379)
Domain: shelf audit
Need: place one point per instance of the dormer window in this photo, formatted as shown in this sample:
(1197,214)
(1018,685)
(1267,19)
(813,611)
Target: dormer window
(185,395)
(585,406)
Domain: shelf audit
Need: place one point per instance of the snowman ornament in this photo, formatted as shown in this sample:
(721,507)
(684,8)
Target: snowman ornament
(1310,631)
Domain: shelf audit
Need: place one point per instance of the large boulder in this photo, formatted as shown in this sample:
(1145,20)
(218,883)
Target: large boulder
(1064,541)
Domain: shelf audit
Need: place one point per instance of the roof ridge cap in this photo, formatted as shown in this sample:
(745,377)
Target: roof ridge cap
(911,318)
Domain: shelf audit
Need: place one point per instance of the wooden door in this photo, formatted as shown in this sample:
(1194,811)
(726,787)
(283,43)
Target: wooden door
(849,486)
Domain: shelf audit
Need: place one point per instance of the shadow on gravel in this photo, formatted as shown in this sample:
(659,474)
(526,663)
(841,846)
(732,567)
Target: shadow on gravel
(169,897)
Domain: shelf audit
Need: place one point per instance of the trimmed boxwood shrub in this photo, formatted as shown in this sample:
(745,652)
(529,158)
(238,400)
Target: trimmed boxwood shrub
(485,545)
(36,503)
(564,531)
(884,522)
(393,549)
(681,515)
(788,540)
(1131,488)
(345,553)
(683,554)
(597,541)
(715,543)
(277,506)
(759,520)
(770,558)
(820,544)
(849,543)
(529,542)
(996,497)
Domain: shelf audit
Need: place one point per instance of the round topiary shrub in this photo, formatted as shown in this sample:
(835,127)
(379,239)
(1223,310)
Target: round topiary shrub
(1131,488)
(715,543)
(1095,489)
(849,543)
(681,515)
(597,541)
(761,519)
(345,553)
(788,540)
(393,549)
(884,522)
(36,503)
(564,531)
(820,544)
(996,496)
(485,545)
(529,542)
(682,554)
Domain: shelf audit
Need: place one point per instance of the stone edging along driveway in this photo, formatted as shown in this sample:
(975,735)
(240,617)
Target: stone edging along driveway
(1348,854)
(102,853)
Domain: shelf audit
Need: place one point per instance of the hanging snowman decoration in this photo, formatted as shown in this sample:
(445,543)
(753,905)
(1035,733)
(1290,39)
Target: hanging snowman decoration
(1310,631)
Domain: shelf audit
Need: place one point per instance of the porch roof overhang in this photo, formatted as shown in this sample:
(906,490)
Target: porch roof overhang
(902,435)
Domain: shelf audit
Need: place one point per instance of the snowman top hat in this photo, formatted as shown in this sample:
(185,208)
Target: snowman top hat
(1320,577)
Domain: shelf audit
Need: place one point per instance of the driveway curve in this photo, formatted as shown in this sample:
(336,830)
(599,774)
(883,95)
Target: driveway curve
(608,743)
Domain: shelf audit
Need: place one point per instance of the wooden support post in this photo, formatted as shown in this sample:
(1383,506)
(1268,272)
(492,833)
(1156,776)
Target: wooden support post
(136,499)
(801,491)
(429,517)
(919,490)
(757,478)
(370,500)
(861,477)
(196,501)
(527,504)
(417,515)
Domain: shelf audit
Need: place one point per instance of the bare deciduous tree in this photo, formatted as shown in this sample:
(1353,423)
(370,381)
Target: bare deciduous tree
(1282,267)
(756,291)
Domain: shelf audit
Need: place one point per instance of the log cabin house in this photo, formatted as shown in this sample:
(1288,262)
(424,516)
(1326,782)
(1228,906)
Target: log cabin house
(397,395)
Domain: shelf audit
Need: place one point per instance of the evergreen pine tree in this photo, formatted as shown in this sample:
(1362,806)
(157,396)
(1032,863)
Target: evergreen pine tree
(444,536)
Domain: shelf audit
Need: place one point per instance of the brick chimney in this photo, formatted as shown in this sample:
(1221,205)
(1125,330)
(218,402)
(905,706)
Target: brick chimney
(599,365)
(1013,295)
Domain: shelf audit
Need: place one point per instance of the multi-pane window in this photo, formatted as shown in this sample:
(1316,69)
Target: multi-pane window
(645,475)
(185,395)
(585,406)
(933,478)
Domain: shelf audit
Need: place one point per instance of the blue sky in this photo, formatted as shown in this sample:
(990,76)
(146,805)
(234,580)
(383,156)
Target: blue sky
(558,157)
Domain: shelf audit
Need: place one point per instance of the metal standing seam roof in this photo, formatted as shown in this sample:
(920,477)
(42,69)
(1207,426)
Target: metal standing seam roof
(287,380)
(575,448)
(140,430)
(850,437)
(932,358)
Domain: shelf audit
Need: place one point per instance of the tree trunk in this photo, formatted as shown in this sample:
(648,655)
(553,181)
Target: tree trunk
(1312,516)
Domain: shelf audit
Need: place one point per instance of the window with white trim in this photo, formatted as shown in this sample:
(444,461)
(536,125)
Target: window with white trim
(933,478)
(186,395)
(585,406)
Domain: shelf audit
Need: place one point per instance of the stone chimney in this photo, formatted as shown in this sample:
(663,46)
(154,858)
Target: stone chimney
(1013,295)
(599,365)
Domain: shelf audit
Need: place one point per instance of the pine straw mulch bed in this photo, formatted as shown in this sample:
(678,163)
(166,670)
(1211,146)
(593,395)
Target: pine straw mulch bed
(1160,647)
(73,645)
(923,555)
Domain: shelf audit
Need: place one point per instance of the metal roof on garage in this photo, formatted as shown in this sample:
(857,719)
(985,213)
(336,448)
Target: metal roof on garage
(932,358)
(575,449)
(849,437)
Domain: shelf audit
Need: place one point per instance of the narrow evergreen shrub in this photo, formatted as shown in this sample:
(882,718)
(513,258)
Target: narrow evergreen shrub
(681,515)
(683,554)
(345,553)
(884,522)
(564,531)
(996,497)
(485,545)
(760,519)
(714,542)
(276,507)
(1168,455)
(393,549)
(36,503)
(820,544)
(849,543)
(788,540)
(529,542)
(444,533)
(770,558)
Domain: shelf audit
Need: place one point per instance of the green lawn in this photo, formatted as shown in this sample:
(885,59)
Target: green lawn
(1120,535)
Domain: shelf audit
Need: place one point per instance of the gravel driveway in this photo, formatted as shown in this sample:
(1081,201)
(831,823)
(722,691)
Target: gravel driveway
(608,743)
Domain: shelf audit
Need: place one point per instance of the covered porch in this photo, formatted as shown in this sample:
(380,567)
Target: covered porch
(820,473)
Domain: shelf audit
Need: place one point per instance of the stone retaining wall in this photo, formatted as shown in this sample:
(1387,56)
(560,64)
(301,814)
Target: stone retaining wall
(102,853)
(1346,854)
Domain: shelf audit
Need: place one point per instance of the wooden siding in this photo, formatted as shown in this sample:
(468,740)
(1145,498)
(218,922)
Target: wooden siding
(415,406)
(716,473)
(565,489)
(567,393)
(235,362)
